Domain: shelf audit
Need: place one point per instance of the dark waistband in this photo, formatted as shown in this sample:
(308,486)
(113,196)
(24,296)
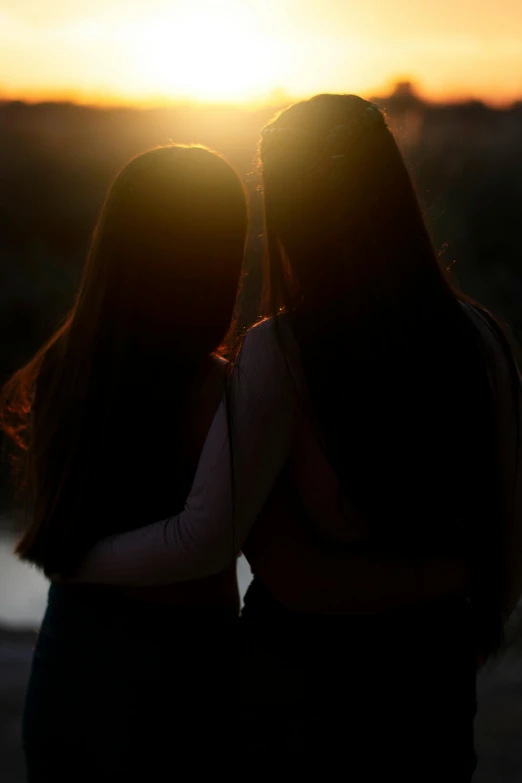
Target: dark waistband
(86,601)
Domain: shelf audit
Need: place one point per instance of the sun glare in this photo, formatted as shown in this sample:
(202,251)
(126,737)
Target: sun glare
(210,56)
(157,52)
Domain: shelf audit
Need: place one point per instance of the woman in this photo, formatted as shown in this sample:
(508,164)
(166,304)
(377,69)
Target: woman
(111,415)
(373,392)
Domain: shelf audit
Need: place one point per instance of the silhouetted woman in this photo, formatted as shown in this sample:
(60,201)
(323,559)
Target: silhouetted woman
(385,406)
(111,414)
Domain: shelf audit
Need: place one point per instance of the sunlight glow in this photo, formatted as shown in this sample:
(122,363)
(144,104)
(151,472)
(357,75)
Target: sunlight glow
(216,56)
(164,51)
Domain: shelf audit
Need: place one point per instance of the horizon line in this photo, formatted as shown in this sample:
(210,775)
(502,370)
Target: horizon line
(278,97)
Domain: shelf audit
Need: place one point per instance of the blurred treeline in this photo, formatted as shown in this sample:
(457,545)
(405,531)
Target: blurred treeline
(56,161)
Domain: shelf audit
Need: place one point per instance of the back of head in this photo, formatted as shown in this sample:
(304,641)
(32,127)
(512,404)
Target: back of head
(106,395)
(166,253)
(393,363)
(341,208)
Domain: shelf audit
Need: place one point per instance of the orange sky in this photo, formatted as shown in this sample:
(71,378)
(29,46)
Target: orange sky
(156,50)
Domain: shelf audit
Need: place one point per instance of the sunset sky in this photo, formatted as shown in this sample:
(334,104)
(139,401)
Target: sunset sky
(233,50)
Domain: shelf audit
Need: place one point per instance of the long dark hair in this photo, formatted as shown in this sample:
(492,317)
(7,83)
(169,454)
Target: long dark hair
(393,362)
(95,415)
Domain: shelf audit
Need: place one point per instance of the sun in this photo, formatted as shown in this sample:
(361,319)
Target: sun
(207,55)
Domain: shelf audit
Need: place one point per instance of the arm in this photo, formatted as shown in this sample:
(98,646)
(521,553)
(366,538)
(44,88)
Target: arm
(206,537)
(306,578)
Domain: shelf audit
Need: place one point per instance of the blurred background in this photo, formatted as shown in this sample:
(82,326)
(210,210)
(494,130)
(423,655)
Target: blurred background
(85,85)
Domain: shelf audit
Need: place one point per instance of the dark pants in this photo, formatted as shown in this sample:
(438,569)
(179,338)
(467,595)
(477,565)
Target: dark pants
(360,698)
(120,691)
